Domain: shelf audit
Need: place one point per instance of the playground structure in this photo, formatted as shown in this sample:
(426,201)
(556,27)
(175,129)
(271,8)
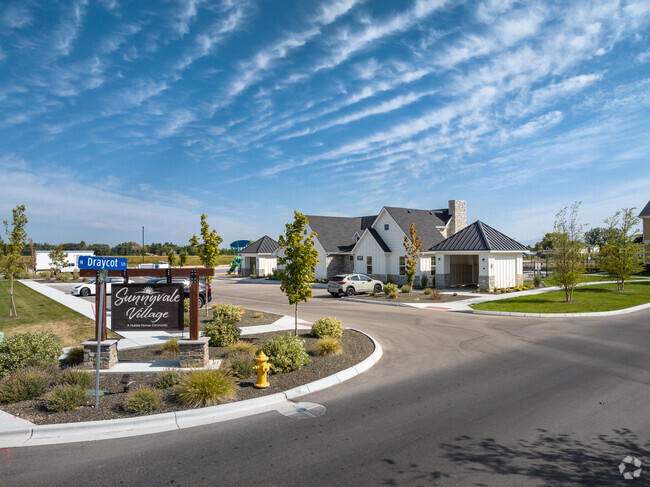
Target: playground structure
(237,246)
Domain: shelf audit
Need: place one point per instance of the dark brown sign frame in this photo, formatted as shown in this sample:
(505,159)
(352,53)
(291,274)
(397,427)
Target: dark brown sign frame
(192,272)
(147,307)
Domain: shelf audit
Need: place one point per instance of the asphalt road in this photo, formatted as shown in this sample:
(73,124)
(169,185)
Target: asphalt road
(456,400)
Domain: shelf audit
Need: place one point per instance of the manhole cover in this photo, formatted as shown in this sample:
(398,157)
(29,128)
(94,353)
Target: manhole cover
(302,410)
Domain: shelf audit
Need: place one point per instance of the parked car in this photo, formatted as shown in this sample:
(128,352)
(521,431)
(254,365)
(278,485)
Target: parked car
(185,281)
(88,288)
(351,284)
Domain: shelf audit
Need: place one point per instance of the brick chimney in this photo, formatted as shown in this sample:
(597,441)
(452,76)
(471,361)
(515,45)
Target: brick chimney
(458,212)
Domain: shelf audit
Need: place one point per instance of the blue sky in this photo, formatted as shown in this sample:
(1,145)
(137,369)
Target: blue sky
(115,114)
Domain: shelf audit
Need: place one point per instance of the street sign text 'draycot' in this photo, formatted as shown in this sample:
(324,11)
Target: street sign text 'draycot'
(101,263)
(140,307)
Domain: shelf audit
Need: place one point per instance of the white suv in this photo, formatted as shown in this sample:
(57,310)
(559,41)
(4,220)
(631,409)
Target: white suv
(351,284)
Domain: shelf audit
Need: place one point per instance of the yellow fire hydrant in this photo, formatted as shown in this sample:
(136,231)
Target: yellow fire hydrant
(262,369)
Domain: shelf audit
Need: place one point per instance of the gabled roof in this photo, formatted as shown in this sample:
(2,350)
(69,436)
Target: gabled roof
(479,237)
(645,213)
(379,240)
(265,245)
(425,222)
(336,234)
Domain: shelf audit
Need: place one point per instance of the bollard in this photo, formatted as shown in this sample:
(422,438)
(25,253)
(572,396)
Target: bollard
(261,368)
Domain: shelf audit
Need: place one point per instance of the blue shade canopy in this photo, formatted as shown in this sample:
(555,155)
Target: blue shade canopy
(240,244)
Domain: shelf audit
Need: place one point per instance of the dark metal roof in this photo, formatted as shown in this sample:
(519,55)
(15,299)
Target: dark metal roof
(425,222)
(336,234)
(645,213)
(265,245)
(479,237)
(379,240)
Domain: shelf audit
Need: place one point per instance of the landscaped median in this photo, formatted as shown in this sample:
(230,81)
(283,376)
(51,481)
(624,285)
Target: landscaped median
(587,298)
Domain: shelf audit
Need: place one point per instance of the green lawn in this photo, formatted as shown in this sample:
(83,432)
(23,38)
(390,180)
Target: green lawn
(597,297)
(600,278)
(38,313)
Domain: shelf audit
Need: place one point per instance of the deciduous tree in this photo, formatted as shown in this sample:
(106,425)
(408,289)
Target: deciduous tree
(567,245)
(16,239)
(171,258)
(58,258)
(622,256)
(412,246)
(299,257)
(182,258)
(208,251)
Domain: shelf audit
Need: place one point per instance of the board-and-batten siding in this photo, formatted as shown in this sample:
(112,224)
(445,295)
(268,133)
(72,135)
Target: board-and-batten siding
(320,271)
(266,265)
(366,246)
(504,270)
(394,238)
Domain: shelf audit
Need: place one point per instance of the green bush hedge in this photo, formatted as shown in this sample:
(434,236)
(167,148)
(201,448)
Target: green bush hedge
(63,276)
(221,333)
(241,363)
(77,377)
(66,397)
(286,353)
(75,356)
(328,346)
(26,383)
(206,387)
(167,379)
(327,327)
(227,312)
(389,288)
(406,288)
(143,399)
(28,349)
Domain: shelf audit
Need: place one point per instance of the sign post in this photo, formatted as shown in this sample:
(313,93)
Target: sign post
(102,265)
(101,325)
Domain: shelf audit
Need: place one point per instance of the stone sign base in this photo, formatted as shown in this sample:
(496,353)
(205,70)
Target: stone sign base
(194,353)
(107,356)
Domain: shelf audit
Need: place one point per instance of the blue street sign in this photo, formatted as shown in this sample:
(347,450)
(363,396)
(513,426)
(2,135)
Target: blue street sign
(102,263)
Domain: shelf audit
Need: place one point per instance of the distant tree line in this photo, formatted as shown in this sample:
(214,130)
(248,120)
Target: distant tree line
(124,248)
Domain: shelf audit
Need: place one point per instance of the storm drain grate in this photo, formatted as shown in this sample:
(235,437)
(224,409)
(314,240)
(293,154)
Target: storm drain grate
(302,410)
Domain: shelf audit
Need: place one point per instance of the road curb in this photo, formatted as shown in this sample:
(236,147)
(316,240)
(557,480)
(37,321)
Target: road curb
(355,300)
(119,428)
(593,314)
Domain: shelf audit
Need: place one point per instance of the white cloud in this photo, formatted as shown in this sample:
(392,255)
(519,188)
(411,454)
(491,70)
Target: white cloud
(16,16)
(68,30)
(350,43)
(252,70)
(113,42)
(175,121)
(185,15)
(534,126)
(384,107)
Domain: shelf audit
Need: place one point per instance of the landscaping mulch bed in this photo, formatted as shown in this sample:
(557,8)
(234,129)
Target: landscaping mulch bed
(250,317)
(416,297)
(356,347)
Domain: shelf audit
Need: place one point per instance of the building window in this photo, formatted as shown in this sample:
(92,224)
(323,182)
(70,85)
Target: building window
(402,264)
(304,232)
(433,265)
(386,226)
(369,264)
(352,257)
